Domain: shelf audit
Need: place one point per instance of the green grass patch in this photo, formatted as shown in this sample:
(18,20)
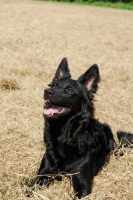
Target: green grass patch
(125,6)
(116,5)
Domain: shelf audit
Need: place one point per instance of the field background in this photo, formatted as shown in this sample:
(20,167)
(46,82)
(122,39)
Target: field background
(34,37)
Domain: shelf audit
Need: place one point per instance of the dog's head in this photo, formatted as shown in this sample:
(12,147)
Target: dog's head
(66,95)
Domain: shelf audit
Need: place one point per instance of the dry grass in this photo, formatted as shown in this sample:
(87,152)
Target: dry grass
(8,84)
(34,36)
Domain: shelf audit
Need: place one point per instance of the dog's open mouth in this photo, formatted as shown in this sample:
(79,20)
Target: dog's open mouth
(56,110)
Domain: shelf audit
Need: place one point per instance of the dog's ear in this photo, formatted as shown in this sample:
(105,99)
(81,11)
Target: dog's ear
(62,70)
(90,78)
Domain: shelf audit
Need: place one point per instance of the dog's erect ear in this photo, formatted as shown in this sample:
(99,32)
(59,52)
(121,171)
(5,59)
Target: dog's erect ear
(90,78)
(62,70)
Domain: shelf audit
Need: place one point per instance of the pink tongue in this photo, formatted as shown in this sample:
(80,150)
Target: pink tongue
(53,109)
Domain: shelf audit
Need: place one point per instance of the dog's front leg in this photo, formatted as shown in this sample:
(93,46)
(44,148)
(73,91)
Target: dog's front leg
(46,174)
(82,183)
(47,171)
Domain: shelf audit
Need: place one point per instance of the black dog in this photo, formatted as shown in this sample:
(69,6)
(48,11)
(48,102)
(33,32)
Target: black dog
(76,143)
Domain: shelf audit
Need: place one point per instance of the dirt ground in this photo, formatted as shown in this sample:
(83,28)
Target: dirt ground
(34,37)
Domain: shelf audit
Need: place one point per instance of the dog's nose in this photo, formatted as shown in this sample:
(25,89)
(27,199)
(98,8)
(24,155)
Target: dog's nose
(48,92)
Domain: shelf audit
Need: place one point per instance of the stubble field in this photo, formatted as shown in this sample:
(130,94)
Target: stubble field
(34,37)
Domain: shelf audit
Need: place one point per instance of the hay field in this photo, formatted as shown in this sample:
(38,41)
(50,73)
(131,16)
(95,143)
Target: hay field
(34,37)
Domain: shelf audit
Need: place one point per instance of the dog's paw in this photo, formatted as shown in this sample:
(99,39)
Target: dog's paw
(58,178)
(29,192)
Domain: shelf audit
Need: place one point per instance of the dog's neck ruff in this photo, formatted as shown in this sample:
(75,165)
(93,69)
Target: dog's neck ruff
(55,110)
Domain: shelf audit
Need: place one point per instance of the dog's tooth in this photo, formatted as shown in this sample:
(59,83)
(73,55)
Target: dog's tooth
(63,110)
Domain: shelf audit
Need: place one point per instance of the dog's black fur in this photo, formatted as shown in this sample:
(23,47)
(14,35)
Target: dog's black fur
(76,143)
(126,139)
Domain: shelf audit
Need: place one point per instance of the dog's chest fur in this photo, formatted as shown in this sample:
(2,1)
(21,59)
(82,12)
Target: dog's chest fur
(68,145)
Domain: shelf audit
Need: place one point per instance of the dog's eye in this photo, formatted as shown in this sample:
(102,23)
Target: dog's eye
(69,90)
